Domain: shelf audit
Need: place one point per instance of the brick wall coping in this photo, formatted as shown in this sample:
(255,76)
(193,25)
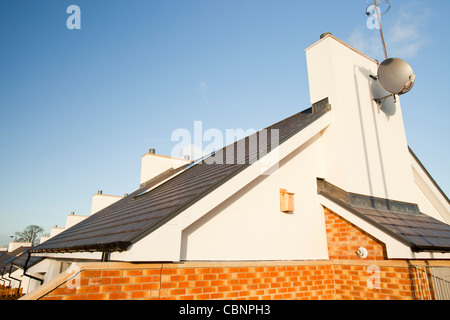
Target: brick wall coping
(64,277)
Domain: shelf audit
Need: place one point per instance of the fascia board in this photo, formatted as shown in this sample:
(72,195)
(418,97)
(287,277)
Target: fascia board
(71,256)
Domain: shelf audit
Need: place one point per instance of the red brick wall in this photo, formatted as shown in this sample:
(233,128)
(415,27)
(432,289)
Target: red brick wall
(203,283)
(326,280)
(344,239)
(345,276)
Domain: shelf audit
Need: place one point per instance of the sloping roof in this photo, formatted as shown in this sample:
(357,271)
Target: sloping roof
(403,221)
(130,219)
(21,260)
(8,257)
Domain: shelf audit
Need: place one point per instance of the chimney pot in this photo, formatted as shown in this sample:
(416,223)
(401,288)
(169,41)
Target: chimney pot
(152,151)
(100,192)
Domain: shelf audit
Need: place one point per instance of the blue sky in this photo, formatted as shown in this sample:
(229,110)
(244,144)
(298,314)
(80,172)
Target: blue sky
(78,108)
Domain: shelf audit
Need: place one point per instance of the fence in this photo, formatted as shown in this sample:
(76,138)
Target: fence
(431,283)
(8,293)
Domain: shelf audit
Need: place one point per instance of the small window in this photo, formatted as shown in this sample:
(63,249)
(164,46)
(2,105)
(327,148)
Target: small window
(286,201)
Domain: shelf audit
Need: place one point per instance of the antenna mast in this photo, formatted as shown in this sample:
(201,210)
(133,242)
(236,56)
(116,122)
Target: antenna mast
(381,28)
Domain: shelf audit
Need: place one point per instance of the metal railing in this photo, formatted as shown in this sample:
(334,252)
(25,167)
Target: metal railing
(431,283)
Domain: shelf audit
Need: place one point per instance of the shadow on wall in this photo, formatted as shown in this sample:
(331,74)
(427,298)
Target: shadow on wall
(389,108)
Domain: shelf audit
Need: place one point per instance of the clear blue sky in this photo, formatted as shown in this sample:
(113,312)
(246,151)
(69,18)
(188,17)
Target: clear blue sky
(78,108)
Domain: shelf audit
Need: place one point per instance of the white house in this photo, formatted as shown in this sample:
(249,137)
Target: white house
(344,153)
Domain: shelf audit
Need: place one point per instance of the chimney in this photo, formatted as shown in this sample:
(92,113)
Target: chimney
(16,245)
(154,165)
(100,201)
(55,231)
(366,149)
(73,219)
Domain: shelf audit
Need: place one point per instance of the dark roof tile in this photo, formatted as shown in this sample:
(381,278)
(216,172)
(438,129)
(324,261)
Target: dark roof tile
(421,232)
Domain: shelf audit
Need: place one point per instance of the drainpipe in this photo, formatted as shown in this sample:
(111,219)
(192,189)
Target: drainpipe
(29,275)
(105,256)
(18,280)
(4,279)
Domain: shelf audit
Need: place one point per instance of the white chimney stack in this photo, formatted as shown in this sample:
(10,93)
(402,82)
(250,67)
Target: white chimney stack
(366,147)
(154,165)
(16,245)
(100,201)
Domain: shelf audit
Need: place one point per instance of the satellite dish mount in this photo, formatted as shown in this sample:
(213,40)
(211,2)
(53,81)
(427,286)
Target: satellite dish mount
(394,75)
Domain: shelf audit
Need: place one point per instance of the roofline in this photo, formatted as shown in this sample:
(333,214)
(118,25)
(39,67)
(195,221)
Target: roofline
(428,175)
(343,43)
(101,247)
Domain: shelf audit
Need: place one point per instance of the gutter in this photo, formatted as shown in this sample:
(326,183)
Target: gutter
(105,248)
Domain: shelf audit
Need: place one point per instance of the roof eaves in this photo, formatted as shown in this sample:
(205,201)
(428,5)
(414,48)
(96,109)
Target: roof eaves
(101,247)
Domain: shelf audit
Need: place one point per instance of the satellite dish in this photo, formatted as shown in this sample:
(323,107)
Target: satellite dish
(385,100)
(396,76)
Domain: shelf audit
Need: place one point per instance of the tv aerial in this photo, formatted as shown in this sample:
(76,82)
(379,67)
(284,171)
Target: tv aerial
(395,75)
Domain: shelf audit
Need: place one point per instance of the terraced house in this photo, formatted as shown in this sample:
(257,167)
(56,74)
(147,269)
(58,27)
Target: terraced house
(346,211)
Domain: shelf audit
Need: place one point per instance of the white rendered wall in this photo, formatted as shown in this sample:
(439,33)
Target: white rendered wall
(211,228)
(366,150)
(250,225)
